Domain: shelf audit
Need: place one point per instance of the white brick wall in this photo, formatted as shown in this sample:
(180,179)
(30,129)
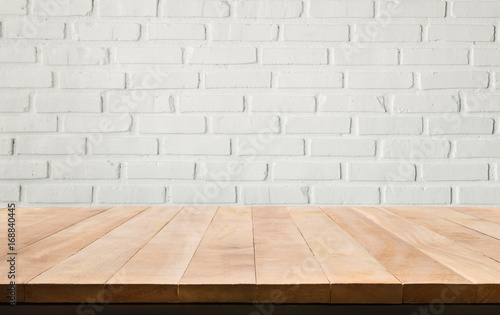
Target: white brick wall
(106,102)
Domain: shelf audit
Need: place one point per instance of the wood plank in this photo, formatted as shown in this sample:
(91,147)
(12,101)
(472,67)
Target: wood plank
(489,214)
(354,275)
(42,255)
(479,242)
(424,279)
(222,268)
(154,273)
(286,269)
(479,269)
(40,224)
(95,264)
(472,222)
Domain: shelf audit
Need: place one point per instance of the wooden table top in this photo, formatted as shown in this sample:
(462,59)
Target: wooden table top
(360,255)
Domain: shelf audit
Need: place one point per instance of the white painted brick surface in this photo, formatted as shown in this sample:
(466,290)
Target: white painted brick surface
(339,195)
(131,194)
(306,171)
(9,193)
(342,102)
(419,195)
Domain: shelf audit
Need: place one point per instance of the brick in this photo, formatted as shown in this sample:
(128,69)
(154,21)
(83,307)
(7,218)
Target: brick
(130,194)
(482,102)
(455,172)
(486,57)
(479,195)
(197,146)
(282,103)
(435,56)
(124,146)
(276,195)
(380,80)
(426,104)
(172,124)
(343,147)
(231,171)
(477,149)
(232,79)
(177,31)
(209,193)
(324,80)
(33,29)
(52,194)
(211,103)
(273,146)
(418,195)
(57,145)
(165,80)
(195,8)
(296,56)
(316,33)
(25,123)
(14,103)
(128,8)
(106,31)
(139,101)
(17,54)
(160,170)
(62,7)
(6,146)
(91,80)
(338,9)
(278,9)
(365,56)
(13,7)
(151,55)
(68,103)
(98,123)
(404,9)
(9,193)
(223,56)
(345,195)
(26,79)
(76,56)
(387,33)
(318,125)
(23,170)
(246,124)
(244,32)
(462,33)
(415,149)
(460,125)
(393,172)
(455,80)
(306,171)
(350,103)
(85,170)
(390,125)
(476,9)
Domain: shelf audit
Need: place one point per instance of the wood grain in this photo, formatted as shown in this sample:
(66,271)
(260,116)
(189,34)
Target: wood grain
(156,270)
(222,268)
(354,275)
(42,255)
(424,279)
(286,269)
(256,255)
(98,262)
(475,267)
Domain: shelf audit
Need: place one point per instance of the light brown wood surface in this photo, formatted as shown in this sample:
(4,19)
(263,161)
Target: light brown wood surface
(360,255)
(222,268)
(284,264)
